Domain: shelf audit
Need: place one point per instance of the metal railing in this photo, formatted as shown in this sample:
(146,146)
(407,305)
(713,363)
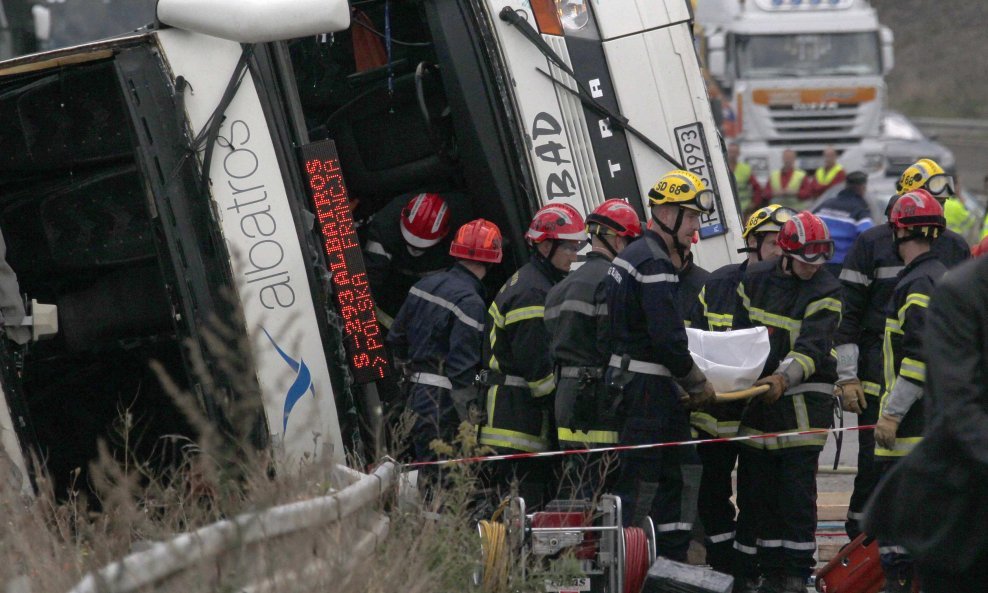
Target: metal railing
(167,561)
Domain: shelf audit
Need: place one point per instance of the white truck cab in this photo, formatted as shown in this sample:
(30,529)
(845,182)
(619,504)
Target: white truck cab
(800,74)
(200,184)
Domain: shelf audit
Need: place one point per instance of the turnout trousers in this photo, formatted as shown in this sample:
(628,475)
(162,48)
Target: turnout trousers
(661,483)
(869,369)
(776,529)
(716,511)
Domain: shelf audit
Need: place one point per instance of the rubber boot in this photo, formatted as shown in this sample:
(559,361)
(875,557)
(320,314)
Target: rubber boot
(779,582)
(746,584)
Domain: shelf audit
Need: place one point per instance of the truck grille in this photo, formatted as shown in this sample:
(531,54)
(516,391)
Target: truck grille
(832,125)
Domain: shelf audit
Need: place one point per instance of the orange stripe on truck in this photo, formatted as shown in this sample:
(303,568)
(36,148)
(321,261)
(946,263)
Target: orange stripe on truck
(796,96)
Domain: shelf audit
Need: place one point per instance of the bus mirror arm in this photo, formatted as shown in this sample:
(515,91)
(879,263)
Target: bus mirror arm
(616,119)
(518,22)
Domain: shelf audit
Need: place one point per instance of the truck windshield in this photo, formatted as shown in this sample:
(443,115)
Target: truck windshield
(816,54)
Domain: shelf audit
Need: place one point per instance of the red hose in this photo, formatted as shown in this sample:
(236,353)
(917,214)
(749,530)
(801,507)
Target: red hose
(635,559)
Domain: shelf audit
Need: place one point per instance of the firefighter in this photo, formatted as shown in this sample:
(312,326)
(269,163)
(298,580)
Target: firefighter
(917,220)
(576,318)
(407,240)
(847,216)
(650,367)
(437,337)
(519,372)
(828,175)
(867,280)
(789,186)
(799,304)
(934,499)
(715,312)
(929,175)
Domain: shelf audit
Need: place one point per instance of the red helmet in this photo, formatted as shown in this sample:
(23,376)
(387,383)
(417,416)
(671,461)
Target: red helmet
(920,211)
(425,220)
(560,222)
(615,215)
(478,240)
(805,237)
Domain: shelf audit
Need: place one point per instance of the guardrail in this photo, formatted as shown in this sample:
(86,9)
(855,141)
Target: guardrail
(207,548)
(962,132)
(943,123)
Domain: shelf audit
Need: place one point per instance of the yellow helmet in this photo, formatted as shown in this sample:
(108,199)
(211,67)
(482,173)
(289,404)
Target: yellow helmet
(926,174)
(768,219)
(682,188)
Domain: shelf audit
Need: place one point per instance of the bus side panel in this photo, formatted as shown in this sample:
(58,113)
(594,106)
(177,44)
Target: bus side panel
(661,89)
(618,18)
(269,271)
(13,468)
(545,130)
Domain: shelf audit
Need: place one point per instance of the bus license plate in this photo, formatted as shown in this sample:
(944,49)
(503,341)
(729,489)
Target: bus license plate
(565,585)
(695,158)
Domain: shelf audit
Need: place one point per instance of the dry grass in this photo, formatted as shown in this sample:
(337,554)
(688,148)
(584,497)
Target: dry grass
(50,543)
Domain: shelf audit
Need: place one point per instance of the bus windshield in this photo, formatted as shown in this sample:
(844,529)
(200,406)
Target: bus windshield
(808,54)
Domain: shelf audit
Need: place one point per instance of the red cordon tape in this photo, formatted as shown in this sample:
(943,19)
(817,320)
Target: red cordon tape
(633,447)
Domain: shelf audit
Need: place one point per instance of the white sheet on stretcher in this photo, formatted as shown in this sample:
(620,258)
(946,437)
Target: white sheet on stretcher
(731,360)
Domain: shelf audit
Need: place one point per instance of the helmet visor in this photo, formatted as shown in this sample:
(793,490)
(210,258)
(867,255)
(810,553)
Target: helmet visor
(702,201)
(813,252)
(781,216)
(940,185)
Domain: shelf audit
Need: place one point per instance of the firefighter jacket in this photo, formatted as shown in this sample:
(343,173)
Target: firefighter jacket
(867,281)
(576,318)
(645,325)
(714,311)
(516,352)
(933,500)
(439,329)
(902,351)
(392,269)
(801,317)
(691,279)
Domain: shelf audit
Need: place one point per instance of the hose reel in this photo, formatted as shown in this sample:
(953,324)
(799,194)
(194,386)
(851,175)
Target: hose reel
(612,558)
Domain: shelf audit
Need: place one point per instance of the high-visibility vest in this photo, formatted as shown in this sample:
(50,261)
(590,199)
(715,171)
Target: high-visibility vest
(791,188)
(984,229)
(787,196)
(827,177)
(958,217)
(742,178)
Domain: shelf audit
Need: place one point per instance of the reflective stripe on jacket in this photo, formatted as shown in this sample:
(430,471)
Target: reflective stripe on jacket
(868,279)
(576,318)
(516,344)
(715,310)
(439,328)
(646,325)
(902,350)
(801,317)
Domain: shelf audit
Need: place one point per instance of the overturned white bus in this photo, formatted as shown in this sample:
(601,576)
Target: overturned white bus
(217,160)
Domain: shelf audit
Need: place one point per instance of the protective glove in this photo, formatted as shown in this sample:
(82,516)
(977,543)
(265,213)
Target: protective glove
(469,406)
(777,385)
(699,391)
(700,399)
(885,431)
(852,395)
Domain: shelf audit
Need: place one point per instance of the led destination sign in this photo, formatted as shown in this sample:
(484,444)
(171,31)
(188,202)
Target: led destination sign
(361,330)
